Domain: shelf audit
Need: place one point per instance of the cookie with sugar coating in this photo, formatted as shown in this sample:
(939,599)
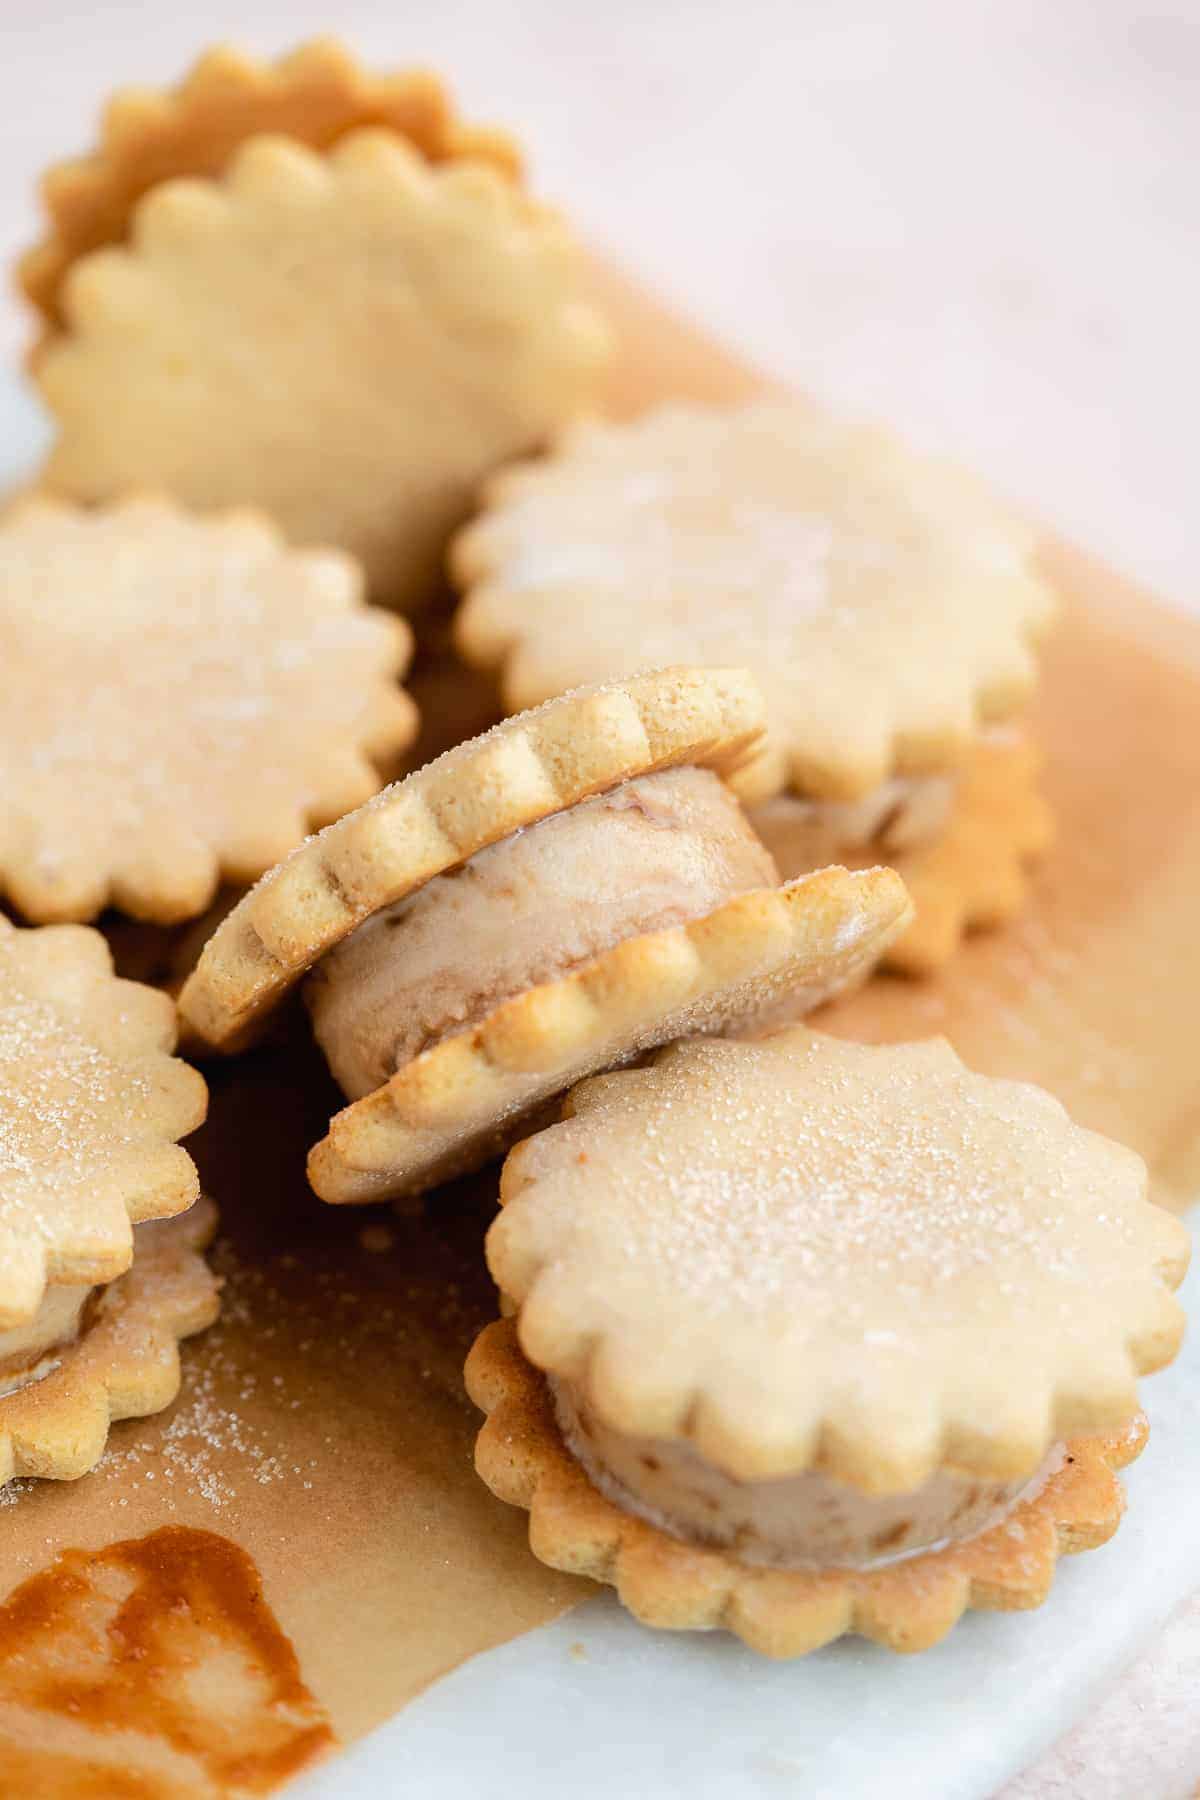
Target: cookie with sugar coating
(803,1331)
(182,699)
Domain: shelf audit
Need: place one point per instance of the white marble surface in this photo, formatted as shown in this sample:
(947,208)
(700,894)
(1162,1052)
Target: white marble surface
(1142,1736)
(978,219)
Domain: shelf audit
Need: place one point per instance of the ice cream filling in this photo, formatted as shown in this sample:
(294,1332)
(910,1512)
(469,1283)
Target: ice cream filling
(27,1350)
(900,814)
(655,852)
(804,1521)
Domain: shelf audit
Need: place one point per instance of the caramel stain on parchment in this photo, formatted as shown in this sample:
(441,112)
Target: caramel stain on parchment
(151,1670)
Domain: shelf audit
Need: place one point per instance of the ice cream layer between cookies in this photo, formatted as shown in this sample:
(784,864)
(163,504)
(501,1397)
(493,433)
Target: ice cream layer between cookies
(26,1352)
(796,1522)
(656,851)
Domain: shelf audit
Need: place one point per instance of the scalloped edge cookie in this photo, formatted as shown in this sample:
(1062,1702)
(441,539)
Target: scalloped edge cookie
(315,94)
(166,865)
(68,968)
(450,1107)
(976,876)
(349,339)
(524,769)
(907,1606)
(840,726)
(125,1363)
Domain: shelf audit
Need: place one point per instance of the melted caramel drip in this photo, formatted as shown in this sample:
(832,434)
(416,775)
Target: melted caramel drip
(151,1669)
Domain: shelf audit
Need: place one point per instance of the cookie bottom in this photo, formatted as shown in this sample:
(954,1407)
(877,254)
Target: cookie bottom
(907,1605)
(970,875)
(121,1362)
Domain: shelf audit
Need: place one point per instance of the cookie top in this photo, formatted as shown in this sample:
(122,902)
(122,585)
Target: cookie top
(181,699)
(804,1253)
(315,94)
(349,340)
(91,1105)
(886,603)
(522,770)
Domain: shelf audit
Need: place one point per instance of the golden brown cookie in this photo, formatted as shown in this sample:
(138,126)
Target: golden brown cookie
(350,340)
(812,1327)
(315,94)
(971,875)
(886,602)
(92,1103)
(117,1358)
(181,700)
